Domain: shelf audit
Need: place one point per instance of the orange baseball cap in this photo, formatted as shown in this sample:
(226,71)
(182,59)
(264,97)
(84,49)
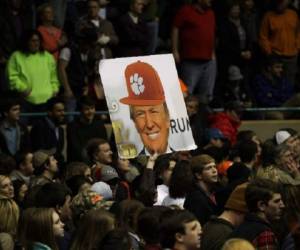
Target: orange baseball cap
(143,85)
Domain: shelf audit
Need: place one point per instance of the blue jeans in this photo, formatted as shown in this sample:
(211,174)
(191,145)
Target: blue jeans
(200,78)
(153,37)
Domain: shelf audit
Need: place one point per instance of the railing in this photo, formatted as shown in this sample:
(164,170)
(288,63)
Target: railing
(282,109)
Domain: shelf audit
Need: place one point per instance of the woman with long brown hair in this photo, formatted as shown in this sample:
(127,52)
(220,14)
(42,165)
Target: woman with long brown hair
(93,228)
(39,227)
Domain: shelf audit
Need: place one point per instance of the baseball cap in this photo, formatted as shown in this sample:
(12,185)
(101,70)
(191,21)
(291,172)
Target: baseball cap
(108,173)
(102,189)
(143,85)
(87,200)
(41,156)
(282,136)
(213,133)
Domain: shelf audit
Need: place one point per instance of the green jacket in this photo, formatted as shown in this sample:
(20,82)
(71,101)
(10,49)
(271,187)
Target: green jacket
(33,73)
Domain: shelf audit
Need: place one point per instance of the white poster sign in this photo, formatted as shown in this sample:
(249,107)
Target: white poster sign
(146,105)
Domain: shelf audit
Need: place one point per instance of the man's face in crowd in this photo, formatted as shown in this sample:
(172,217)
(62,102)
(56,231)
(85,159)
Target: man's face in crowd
(34,44)
(191,238)
(152,123)
(276,70)
(58,113)
(294,143)
(88,112)
(53,167)
(14,113)
(104,154)
(235,12)
(274,207)
(286,157)
(209,173)
(48,14)
(93,9)
(137,7)
(27,166)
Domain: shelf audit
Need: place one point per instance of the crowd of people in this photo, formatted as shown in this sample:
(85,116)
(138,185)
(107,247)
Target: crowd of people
(243,50)
(62,183)
(234,191)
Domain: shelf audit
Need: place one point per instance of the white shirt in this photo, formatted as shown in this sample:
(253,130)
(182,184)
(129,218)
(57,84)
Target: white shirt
(168,201)
(162,192)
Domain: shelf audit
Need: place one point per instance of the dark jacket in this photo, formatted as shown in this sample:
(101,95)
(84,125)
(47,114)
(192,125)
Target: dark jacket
(76,71)
(133,37)
(252,228)
(200,205)
(43,136)
(270,93)
(215,232)
(229,47)
(79,133)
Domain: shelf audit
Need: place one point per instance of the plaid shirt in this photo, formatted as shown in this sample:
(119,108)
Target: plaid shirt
(266,241)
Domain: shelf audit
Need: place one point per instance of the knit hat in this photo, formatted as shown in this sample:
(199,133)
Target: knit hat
(234,73)
(41,156)
(85,201)
(281,136)
(102,189)
(236,200)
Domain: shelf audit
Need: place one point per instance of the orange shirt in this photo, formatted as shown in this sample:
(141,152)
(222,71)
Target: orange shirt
(50,39)
(280,33)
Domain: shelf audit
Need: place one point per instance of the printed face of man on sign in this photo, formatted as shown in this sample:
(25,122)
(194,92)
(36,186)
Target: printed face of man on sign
(148,108)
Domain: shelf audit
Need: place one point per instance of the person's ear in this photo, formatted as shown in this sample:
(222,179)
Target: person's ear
(261,205)
(179,237)
(198,176)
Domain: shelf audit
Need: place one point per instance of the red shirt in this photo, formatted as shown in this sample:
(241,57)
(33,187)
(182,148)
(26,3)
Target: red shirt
(50,39)
(196,32)
(227,124)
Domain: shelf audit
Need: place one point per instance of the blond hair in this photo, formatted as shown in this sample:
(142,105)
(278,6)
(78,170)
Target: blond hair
(237,244)
(9,218)
(2,178)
